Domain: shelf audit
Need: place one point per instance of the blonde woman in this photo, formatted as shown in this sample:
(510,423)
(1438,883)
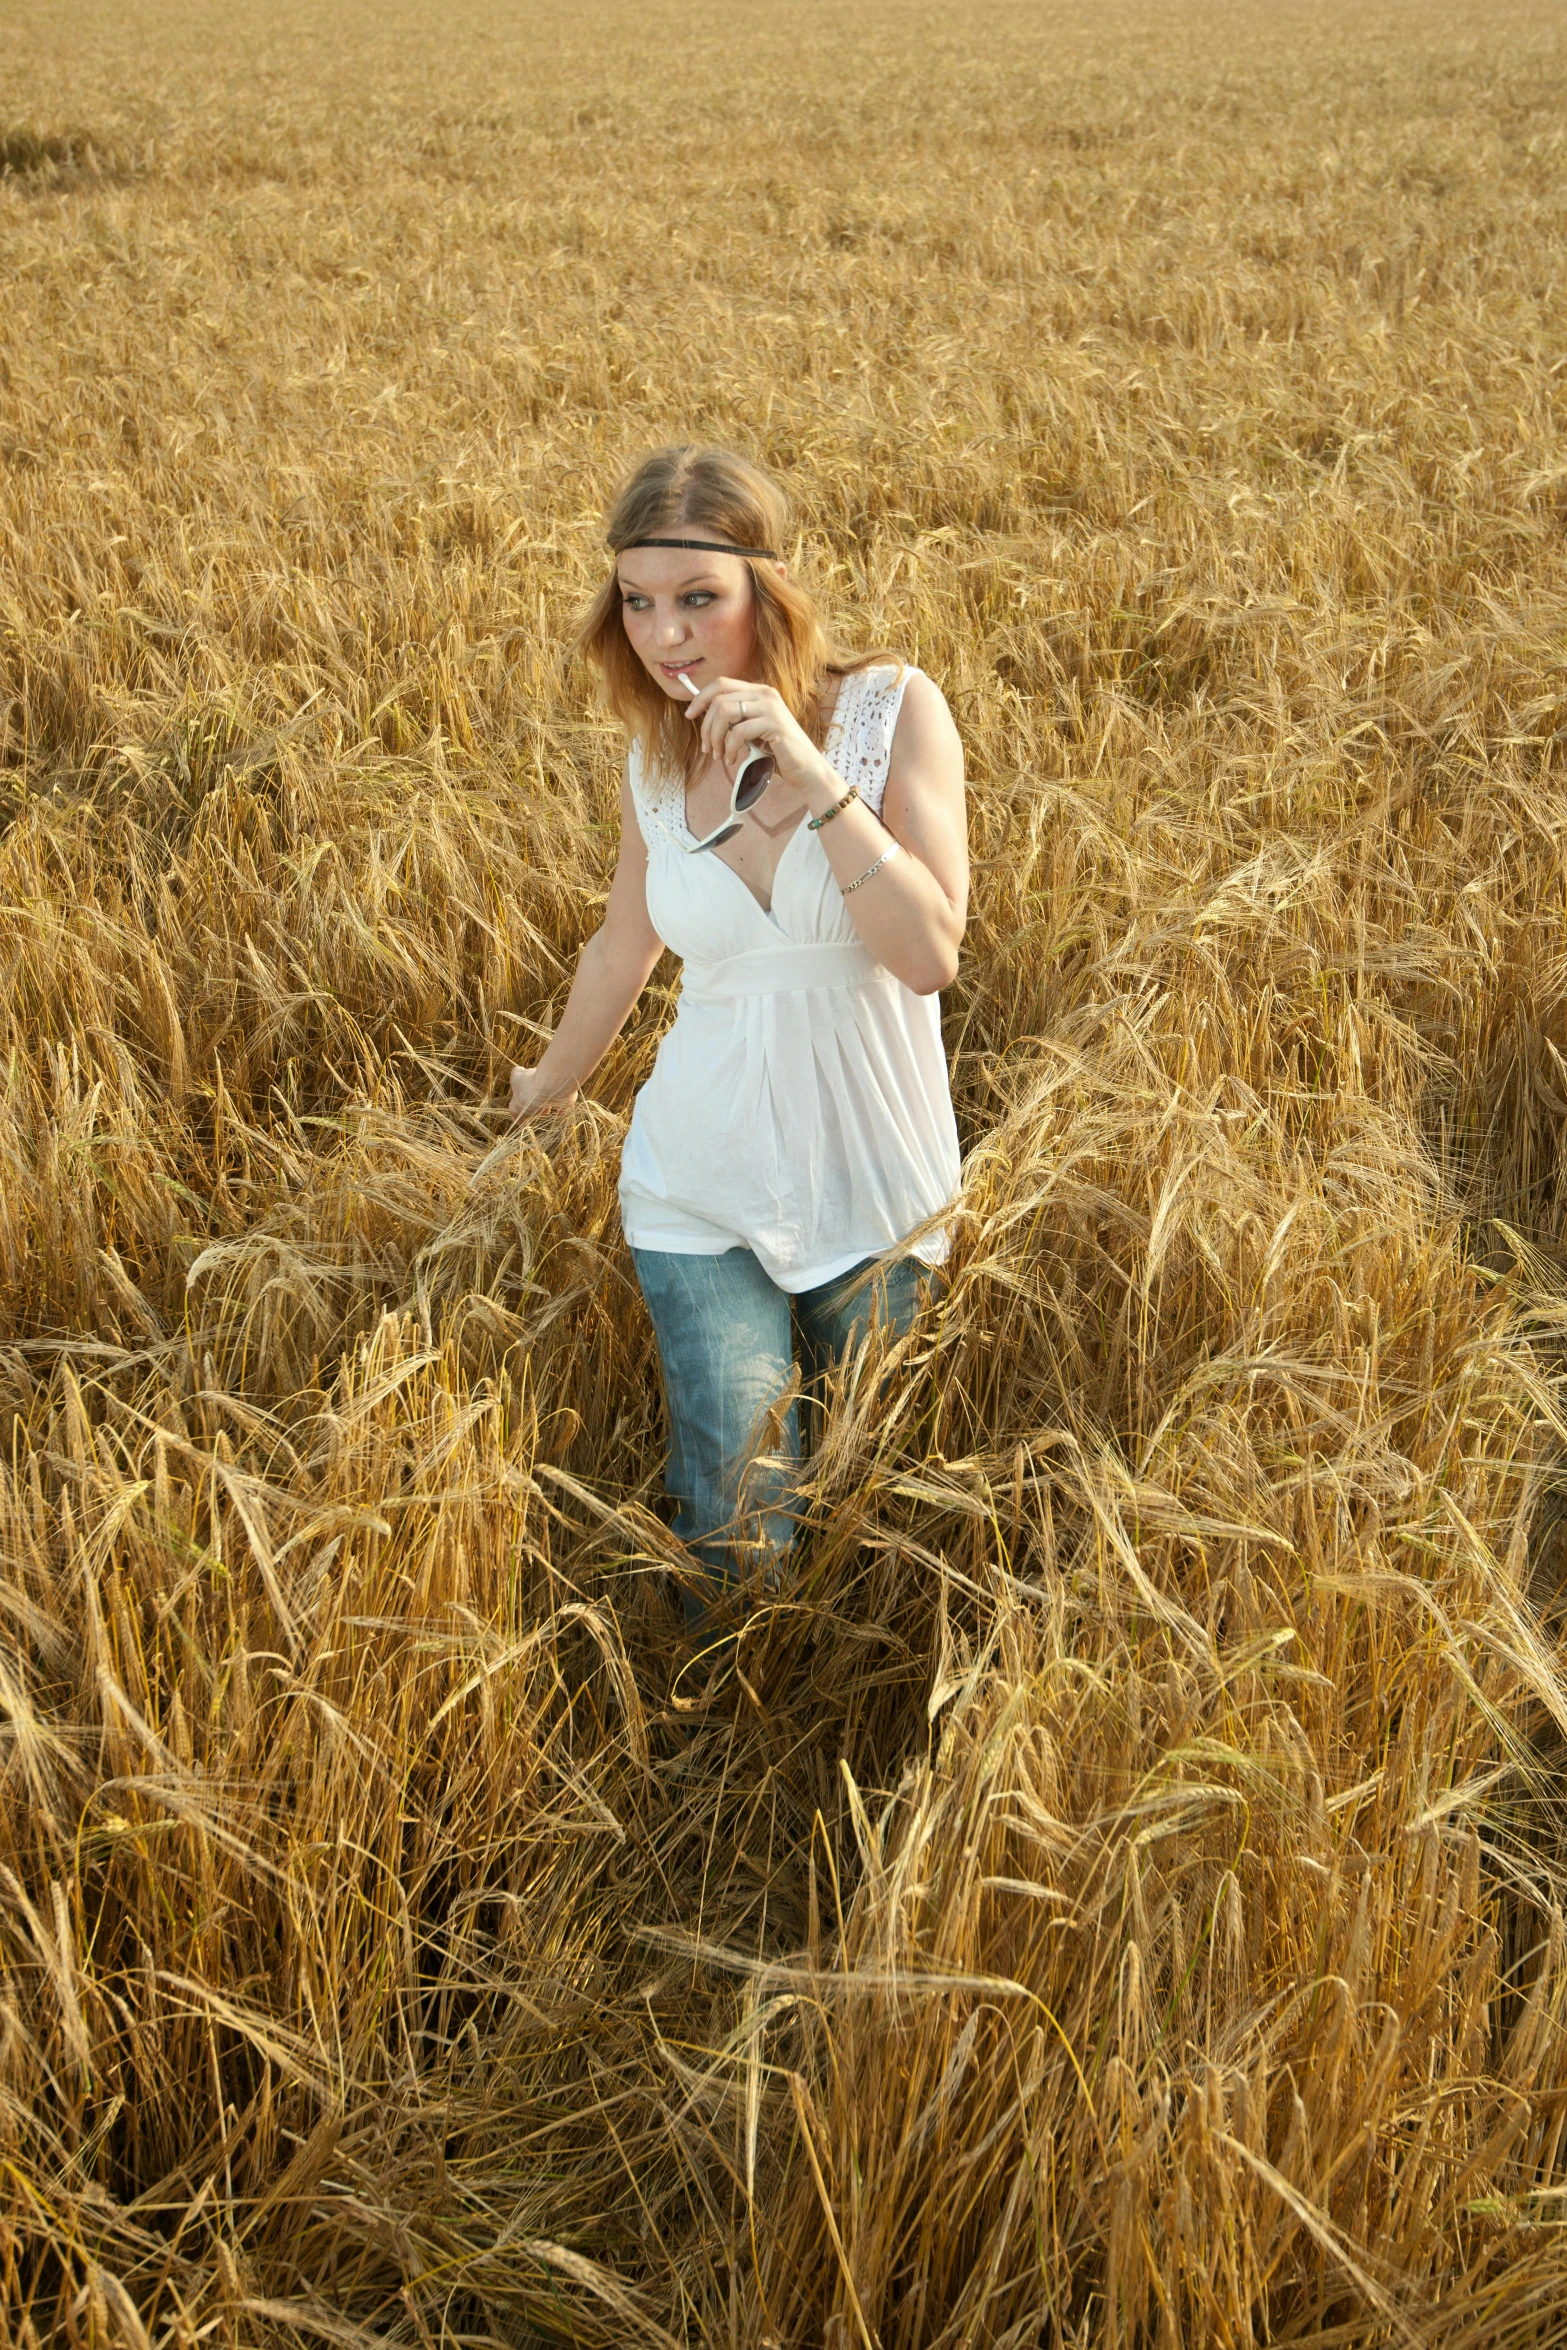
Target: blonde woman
(792,826)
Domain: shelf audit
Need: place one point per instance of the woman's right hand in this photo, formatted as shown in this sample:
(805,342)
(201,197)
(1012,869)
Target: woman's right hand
(533,1096)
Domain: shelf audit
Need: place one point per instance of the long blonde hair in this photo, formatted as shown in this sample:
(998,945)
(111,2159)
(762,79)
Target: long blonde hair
(721,496)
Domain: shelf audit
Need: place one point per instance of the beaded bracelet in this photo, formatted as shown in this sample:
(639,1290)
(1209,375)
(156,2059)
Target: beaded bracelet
(885,858)
(815,823)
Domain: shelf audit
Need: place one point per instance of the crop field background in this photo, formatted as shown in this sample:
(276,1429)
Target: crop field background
(1121,1895)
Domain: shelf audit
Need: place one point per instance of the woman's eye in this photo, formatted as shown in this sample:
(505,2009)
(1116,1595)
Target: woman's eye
(634,603)
(701,597)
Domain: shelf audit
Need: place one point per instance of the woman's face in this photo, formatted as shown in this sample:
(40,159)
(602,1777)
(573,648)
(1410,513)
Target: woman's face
(690,612)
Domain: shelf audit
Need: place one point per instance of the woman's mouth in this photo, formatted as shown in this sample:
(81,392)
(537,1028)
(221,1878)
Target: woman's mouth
(672,669)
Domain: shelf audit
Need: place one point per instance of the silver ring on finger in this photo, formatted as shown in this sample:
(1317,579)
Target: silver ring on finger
(742,706)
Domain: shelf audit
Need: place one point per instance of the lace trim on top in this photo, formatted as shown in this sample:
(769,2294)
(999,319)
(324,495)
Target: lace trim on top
(858,747)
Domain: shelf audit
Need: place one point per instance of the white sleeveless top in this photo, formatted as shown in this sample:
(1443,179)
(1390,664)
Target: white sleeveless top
(799,1105)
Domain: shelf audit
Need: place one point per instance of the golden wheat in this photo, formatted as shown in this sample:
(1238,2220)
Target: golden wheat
(1122,1896)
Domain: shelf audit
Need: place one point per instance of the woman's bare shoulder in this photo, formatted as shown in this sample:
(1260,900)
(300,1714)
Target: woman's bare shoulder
(924,717)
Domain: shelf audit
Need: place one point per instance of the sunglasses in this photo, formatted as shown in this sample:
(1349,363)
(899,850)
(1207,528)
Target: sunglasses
(752,779)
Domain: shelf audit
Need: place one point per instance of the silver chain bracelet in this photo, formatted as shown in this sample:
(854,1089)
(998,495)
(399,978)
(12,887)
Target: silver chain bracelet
(885,858)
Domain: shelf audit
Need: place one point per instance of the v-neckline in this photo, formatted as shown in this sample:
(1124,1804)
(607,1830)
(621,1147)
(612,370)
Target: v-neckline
(766,911)
(834,727)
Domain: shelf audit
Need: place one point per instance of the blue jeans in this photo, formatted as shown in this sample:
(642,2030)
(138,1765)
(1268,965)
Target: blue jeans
(726,1339)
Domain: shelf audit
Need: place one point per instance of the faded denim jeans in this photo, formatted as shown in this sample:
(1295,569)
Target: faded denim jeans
(726,1340)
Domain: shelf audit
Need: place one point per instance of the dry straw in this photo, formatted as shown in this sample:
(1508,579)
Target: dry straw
(1118,1896)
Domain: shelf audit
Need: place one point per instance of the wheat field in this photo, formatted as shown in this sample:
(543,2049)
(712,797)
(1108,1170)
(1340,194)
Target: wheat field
(1120,1896)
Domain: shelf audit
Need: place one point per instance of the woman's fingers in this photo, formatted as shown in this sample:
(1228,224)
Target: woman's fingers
(719,715)
(742,732)
(739,714)
(729,704)
(530,1097)
(702,700)
(716,687)
(736,716)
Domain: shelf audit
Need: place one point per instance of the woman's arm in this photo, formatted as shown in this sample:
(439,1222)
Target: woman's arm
(611,972)
(912,912)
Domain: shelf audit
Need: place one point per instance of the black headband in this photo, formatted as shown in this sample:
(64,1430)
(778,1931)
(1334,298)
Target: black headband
(704,547)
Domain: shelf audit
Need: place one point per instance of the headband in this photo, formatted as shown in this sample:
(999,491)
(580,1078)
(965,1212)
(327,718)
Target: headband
(703,547)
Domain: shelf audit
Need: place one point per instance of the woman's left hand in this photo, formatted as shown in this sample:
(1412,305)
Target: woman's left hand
(736,715)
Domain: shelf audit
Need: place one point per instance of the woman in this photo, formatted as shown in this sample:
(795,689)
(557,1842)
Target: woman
(790,1156)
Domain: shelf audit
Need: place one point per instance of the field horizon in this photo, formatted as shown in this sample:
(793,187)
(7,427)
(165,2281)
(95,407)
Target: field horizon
(1120,1898)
